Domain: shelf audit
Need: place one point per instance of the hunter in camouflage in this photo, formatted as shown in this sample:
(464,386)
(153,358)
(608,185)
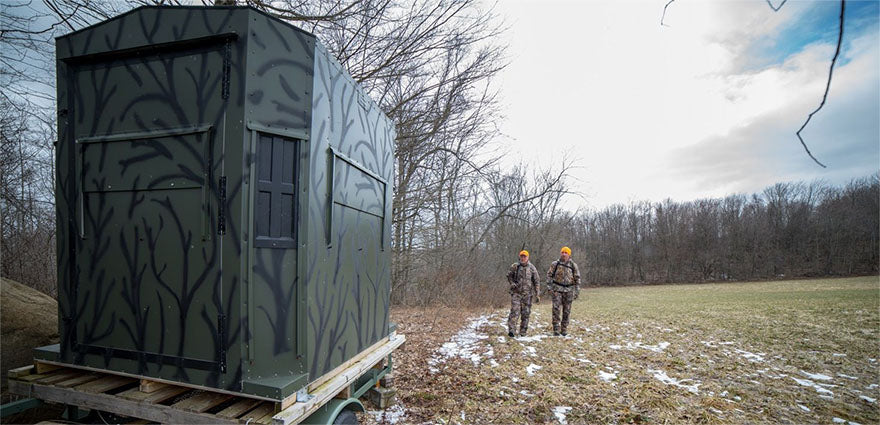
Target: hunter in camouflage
(523,280)
(563,278)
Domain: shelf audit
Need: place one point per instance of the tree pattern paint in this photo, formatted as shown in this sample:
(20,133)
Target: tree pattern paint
(161,272)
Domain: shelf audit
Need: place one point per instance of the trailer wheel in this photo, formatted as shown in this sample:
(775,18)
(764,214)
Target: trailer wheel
(346,417)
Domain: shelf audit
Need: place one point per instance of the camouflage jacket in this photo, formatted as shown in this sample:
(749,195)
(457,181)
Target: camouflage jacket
(523,278)
(567,276)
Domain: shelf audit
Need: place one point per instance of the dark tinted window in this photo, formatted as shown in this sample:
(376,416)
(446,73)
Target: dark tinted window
(275,200)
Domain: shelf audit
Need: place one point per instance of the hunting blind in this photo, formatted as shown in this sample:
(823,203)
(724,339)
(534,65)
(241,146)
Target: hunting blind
(223,202)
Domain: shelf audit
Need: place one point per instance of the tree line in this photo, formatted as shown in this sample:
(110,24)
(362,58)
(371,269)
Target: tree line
(788,230)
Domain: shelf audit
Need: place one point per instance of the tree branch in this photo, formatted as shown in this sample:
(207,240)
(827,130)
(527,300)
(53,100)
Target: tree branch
(664,13)
(827,84)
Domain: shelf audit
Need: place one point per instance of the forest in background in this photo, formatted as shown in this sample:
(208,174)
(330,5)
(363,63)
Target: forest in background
(460,213)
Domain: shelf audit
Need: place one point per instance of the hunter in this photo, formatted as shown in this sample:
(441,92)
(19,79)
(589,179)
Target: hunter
(524,282)
(562,282)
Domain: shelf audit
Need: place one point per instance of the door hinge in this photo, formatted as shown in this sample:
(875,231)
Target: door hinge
(221,209)
(221,337)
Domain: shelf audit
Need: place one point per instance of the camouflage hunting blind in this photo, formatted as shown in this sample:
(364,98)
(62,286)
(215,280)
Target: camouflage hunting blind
(224,202)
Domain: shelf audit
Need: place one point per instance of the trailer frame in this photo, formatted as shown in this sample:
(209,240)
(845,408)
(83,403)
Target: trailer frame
(173,402)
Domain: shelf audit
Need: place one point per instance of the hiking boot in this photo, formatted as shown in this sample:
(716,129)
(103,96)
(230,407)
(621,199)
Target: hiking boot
(510,334)
(555,333)
(564,334)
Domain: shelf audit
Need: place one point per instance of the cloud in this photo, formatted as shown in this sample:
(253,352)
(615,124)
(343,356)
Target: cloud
(706,106)
(845,134)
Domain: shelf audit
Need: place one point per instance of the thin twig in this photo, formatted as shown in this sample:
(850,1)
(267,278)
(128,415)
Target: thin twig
(776,8)
(827,84)
(664,13)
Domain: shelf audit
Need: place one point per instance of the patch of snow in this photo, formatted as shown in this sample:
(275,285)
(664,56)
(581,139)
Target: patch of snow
(723,394)
(715,411)
(634,345)
(560,412)
(838,420)
(607,376)
(766,372)
(808,383)
(752,357)
(818,376)
(871,387)
(502,339)
(582,360)
(533,338)
(526,393)
(394,414)
(838,355)
(464,344)
(713,344)
(868,399)
(854,378)
(737,398)
(666,379)
(531,351)
(493,363)
(804,408)
(532,368)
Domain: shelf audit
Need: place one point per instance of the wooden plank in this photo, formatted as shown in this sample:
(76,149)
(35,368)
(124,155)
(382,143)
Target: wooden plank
(299,411)
(154,397)
(202,401)
(258,413)
(104,384)
(58,377)
(36,376)
(79,380)
(118,405)
(345,393)
(45,367)
(266,420)
(20,371)
(239,408)
(149,386)
(329,375)
(164,381)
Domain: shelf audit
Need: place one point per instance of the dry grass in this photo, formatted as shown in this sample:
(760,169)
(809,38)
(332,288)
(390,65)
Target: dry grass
(734,349)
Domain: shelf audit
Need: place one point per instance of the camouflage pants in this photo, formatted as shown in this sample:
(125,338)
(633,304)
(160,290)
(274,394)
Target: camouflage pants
(561,304)
(520,307)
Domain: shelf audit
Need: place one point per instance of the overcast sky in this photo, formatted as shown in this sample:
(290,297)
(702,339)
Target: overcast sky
(703,107)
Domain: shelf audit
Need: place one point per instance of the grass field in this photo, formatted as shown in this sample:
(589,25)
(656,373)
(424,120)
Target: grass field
(792,351)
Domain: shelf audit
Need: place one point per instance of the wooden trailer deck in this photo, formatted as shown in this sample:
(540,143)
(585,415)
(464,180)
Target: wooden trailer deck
(165,402)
